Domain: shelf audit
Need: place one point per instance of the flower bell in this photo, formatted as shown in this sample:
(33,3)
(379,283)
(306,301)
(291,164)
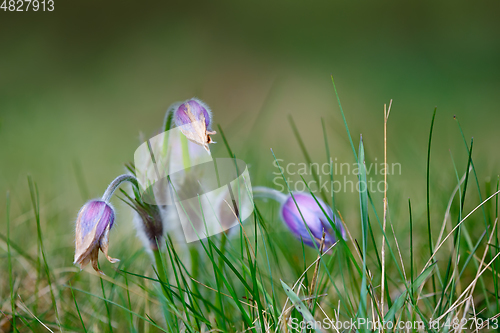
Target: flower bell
(315,217)
(194,118)
(314,212)
(95,219)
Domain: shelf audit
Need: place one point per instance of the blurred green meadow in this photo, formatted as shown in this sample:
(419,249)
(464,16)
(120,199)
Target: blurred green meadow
(81,88)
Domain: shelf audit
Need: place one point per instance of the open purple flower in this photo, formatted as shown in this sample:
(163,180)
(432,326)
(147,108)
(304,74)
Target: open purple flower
(195,118)
(315,217)
(95,219)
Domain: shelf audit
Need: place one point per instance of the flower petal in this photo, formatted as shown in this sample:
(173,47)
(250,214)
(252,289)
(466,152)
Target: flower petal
(103,244)
(94,256)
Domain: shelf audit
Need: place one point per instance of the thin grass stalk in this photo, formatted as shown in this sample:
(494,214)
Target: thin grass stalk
(186,318)
(466,291)
(191,295)
(457,237)
(80,180)
(77,309)
(161,274)
(312,288)
(144,318)
(453,247)
(472,254)
(497,296)
(129,303)
(431,250)
(431,259)
(160,270)
(483,285)
(329,160)
(106,305)
(306,155)
(257,286)
(486,251)
(35,199)
(389,302)
(363,199)
(263,233)
(412,295)
(220,263)
(386,117)
(334,209)
(473,170)
(9,258)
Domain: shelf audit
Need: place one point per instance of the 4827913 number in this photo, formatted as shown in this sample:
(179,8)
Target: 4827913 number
(27,5)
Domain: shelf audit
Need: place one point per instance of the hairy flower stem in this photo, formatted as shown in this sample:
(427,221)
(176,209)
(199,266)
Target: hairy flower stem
(269,193)
(115,184)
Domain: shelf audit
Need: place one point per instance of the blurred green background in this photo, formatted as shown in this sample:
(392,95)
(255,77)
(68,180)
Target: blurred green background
(80,85)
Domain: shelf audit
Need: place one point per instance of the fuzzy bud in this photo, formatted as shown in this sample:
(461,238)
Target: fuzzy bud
(195,118)
(149,223)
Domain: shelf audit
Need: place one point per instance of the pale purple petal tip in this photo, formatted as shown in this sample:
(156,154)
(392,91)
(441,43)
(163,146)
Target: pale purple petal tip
(197,110)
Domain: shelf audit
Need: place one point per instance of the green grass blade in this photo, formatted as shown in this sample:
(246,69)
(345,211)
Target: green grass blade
(129,303)
(9,256)
(329,161)
(119,306)
(474,171)
(411,244)
(106,305)
(307,157)
(431,246)
(303,310)
(78,309)
(80,180)
(389,301)
(19,250)
(471,255)
(345,122)
(307,227)
(35,200)
(497,264)
(400,301)
(363,199)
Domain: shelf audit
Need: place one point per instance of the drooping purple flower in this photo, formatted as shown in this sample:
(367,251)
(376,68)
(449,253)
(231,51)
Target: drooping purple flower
(314,216)
(95,219)
(194,118)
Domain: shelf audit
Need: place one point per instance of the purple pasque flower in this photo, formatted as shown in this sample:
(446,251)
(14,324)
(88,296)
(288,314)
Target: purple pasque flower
(95,219)
(194,118)
(314,216)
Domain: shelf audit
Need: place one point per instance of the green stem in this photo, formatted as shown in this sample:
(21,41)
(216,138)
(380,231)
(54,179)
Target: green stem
(9,256)
(160,269)
(185,152)
(220,264)
(195,262)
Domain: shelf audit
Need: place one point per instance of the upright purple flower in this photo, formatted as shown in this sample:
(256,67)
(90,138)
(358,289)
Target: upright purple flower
(195,118)
(95,219)
(314,216)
